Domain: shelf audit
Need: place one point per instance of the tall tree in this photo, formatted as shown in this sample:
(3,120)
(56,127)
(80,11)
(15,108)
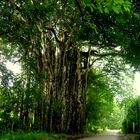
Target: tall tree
(49,35)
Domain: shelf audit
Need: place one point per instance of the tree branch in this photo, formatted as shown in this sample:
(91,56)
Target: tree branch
(105,54)
(54,33)
(79,7)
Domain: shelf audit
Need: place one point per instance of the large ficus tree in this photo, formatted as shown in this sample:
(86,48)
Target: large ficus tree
(49,36)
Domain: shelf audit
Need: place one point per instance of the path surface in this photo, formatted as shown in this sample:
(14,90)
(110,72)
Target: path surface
(109,135)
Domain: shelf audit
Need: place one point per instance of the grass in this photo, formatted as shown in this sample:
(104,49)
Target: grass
(32,136)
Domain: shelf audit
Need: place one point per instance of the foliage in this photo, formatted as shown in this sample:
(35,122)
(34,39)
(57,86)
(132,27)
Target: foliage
(123,30)
(31,136)
(131,122)
(99,101)
(106,96)
(116,117)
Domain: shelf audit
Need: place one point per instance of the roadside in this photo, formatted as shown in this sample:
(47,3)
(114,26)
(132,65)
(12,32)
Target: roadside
(131,137)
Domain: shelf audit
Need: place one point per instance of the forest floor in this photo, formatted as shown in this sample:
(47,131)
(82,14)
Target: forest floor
(112,135)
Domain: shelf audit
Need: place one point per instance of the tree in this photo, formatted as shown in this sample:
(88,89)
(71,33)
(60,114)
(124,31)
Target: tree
(99,101)
(108,93)
(48,36)
(116,117)
(131,122)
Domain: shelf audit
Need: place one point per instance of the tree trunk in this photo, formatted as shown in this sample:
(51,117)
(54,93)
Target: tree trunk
(61,103)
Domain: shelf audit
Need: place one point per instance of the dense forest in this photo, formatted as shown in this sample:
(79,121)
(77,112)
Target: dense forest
(77,58)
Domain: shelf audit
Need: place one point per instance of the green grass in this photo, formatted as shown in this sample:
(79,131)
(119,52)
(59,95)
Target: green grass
(32,136)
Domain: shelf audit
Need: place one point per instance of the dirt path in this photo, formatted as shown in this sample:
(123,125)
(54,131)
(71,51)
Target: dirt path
(110,135)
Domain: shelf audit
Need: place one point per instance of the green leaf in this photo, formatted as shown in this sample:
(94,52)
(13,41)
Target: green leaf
(106,10)
(117,9)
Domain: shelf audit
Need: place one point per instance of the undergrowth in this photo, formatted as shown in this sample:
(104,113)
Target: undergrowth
(32,136)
